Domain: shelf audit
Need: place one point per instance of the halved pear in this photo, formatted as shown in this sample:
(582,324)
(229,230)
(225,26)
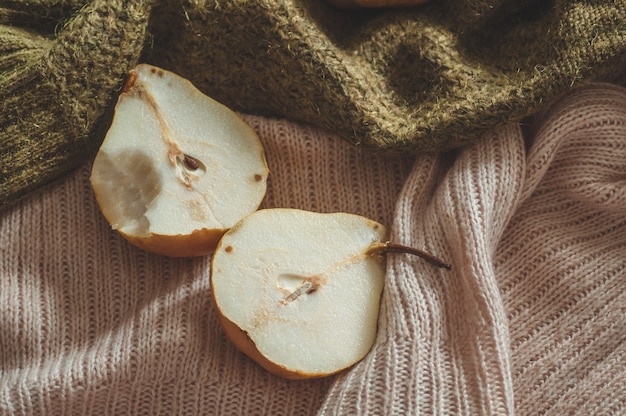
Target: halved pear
(299,291)
(176,168)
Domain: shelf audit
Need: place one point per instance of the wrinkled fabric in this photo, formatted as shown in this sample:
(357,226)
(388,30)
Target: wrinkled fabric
(530,319)
(420,79)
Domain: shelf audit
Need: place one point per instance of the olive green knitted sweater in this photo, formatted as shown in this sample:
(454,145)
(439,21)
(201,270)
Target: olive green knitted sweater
(417,79)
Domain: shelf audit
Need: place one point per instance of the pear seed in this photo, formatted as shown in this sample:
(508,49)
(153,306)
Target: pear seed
(191,163)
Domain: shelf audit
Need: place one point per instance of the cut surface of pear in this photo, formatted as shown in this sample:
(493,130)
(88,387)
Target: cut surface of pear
(176,168)
(298,291)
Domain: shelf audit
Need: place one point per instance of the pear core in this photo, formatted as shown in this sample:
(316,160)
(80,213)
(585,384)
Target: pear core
(174,164)
(299,292)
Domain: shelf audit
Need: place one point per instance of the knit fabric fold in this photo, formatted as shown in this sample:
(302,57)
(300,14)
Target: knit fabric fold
(425,78)
(61,68)
(443,347)
(530,320)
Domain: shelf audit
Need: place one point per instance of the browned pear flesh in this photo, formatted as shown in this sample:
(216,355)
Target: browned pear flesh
(176,168)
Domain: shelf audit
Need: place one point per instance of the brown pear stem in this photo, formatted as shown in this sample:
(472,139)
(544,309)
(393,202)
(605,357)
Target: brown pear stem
(390,247)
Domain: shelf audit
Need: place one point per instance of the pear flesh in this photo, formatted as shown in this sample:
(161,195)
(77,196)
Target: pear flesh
(176,168)
(298,291)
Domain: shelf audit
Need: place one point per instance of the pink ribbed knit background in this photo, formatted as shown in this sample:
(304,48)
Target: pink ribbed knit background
(531,320)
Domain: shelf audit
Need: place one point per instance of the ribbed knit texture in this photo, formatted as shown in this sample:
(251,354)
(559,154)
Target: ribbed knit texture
(531,319)
(61,65)
(426,78)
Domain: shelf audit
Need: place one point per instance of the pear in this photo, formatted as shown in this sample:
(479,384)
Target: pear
(299,291)
(176,168)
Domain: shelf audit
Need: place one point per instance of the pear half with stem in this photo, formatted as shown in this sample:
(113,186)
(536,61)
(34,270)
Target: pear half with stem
(176,168)
(299,291)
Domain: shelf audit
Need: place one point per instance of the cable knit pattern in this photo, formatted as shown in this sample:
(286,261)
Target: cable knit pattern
(531,319)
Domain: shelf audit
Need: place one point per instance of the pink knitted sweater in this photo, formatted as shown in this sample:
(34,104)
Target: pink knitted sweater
(531,320)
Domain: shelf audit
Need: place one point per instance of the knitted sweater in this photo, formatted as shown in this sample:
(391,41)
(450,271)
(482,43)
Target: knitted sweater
(530,319)
(417,79)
